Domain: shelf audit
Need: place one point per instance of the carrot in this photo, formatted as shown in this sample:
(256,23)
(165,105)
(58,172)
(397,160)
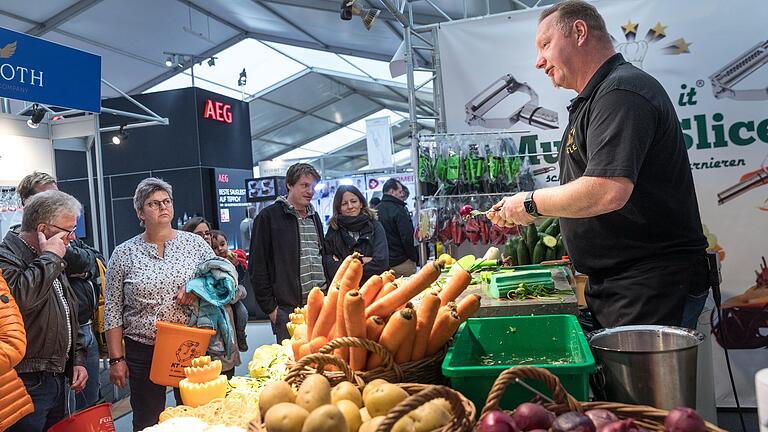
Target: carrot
(349,282)
(386,289)
(340,272)
(295,346)
(327,318)
(317,343)
(405,351)
(373,327)
(354,320)
(388,276)
(397,329)
(425,319)
(314,307)
(445,326)
(371,288)
(468,307)
(406,291)
(455,286)
(305,350)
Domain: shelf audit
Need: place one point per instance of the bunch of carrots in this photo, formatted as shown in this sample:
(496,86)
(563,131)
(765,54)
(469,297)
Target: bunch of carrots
(381,311)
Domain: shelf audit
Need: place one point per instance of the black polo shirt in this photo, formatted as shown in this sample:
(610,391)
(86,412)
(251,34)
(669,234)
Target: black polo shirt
(623,124)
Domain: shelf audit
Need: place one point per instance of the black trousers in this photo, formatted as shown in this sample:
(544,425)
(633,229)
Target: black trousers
(278,327)
(147,398)
(647,293)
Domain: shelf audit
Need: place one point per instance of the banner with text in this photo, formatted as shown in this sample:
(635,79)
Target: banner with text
(715,80)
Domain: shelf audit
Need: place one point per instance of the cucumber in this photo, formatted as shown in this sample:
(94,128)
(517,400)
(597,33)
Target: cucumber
(550,255)
(548,240)
(531,238)
(560,248)
(546,224)
(554,229)
(510,249)
(523,258)
(538,252)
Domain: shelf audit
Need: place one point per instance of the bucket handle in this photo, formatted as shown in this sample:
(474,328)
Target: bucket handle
(597,381)
(509,376)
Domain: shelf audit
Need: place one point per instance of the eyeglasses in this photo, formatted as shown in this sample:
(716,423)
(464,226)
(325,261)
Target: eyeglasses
(155,204)
(69,232)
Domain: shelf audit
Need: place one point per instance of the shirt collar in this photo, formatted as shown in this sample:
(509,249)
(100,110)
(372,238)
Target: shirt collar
(290,209)
(598,77)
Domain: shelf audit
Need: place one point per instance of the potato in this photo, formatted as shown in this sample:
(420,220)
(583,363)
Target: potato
(383,398)
(372,385)
(346,391)
(285,417)
(273,394)
(351,414)
(327,418)
(405,424)
(364,415)
(371,425)
(430,416)
(314,392)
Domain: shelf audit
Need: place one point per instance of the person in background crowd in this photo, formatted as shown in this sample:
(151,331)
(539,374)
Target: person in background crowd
(287,248)
(146,280)
(354,228)
(33,265)
(374,202)
(198,225)
(82,273)
(627,205)
(239,312)
(399,228)
(15,402)
(246,225)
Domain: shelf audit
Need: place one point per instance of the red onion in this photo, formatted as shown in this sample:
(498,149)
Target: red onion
(497,421)
(601,417)
(573,422)
(684,419)
(530,416)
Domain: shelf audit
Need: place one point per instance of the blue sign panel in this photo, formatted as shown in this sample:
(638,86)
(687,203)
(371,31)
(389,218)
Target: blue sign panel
(36,70)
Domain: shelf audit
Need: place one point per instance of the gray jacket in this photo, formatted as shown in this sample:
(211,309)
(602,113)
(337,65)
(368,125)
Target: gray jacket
(30,278)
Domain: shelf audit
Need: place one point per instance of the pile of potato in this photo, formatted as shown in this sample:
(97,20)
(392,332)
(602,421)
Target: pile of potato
(317,407)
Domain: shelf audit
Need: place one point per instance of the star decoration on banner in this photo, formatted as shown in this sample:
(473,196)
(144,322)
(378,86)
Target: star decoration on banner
(629,29)
(679,46)
(656,33)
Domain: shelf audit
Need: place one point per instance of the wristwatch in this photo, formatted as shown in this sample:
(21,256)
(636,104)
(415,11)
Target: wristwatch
(530,205)
(116,360)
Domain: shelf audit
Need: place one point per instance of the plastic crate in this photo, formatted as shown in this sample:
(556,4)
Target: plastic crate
(484,347)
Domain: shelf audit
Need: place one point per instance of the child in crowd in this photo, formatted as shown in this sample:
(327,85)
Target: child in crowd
(221,249)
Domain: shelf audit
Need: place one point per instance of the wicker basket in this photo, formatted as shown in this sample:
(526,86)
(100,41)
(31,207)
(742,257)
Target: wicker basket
(424,371)
(645,416)
(463,409)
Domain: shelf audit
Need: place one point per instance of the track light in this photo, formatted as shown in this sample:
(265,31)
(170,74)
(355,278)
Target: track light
(169,60)
(38,113)
(352,7)
(122,135)
(242,79)
(212,61)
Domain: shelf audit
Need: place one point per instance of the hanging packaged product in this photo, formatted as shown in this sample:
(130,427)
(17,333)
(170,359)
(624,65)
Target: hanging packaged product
(426,170)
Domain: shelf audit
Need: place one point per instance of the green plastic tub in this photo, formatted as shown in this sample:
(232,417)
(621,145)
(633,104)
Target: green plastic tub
(484,347)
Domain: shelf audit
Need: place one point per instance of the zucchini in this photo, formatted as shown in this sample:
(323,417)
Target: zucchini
(554,229)
(560,251)
(538,252)
(548,240)
(510,248)
(546,224)
(523,258)
(550,254)
(531,238)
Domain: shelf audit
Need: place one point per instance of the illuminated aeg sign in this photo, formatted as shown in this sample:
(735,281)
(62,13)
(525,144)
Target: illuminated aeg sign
(218,111)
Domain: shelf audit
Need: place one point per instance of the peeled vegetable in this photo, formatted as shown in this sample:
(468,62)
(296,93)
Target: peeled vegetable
(601,417)
(627,425)
(530,416)
(497,421)
(684,419)
(573,422)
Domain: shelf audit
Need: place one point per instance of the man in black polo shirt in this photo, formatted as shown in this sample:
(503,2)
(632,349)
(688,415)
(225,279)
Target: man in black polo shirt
(627,204)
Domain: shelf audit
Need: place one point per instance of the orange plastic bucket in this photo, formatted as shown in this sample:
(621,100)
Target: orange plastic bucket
(97,418)
(175,347)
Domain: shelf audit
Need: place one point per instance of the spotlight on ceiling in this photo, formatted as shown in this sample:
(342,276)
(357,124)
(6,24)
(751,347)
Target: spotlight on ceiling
(352,7)
(122,135)
(212,61)
(38,113)
(242,79)
(169,60)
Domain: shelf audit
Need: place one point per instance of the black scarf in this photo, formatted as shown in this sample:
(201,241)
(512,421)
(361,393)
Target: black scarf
(342,242)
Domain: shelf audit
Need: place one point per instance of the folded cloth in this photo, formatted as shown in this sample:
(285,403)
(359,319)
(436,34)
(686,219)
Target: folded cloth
(215,284)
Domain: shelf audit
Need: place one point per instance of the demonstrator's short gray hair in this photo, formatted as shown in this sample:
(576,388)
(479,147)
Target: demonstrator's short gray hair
(147,187)
(46,207)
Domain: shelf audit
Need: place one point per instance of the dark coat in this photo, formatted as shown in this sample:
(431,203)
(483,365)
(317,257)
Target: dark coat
(399,228)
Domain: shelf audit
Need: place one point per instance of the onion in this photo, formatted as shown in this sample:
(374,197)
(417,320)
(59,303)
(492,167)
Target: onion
(466,210)
(573,422)
(684,419)
(601,417)
(627,425)
(529,416)
(497,421)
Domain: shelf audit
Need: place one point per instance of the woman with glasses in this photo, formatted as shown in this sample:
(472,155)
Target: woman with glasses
(146,281)
(198,225)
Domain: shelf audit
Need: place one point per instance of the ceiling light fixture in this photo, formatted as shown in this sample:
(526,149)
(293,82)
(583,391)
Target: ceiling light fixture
(212,61)
(38,113)
(169,60)
(352,7)
(242,79)
(122,135)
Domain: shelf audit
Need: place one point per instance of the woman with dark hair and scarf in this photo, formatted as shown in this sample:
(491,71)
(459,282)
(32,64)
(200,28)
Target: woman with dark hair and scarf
(354,228)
